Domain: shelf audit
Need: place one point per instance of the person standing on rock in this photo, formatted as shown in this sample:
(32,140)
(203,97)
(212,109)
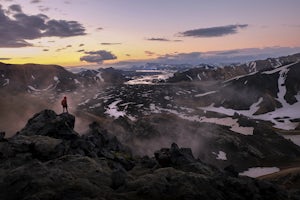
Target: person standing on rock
(64,104)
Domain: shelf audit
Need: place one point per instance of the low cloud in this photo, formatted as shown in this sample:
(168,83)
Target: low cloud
(98,56)
(15,8)
(110,43)
(43,8)
(81,50)
(217,31)
(5,58)
(228,56)
(150,53)
(81,45)
(162,40)
(35,1)
(158,39)
(64,48)
(45,49)
(17,27)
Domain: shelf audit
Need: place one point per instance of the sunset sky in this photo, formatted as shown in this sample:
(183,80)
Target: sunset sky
(83,32)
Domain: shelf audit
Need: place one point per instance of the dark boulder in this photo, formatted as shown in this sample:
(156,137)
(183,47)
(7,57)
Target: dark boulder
(181,158)
(48,123)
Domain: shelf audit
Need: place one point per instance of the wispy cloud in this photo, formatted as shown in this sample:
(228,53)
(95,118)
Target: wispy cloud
(158,39)
(217,31)
(98,56)
(161,39)
(43,8)
(110,43)
(149,53)
(64,48)
(16,29)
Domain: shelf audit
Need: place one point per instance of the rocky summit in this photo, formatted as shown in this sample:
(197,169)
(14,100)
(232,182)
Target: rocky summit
(47,159)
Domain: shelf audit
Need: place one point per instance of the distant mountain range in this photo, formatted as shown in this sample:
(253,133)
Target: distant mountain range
(208,72)
(34,78)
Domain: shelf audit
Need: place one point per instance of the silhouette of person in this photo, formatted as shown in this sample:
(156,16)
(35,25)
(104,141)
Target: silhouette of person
(64,104)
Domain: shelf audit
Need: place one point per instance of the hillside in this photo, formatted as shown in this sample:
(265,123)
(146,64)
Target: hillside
(47,159)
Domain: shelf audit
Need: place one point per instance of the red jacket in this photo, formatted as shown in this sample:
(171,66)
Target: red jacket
(64,102)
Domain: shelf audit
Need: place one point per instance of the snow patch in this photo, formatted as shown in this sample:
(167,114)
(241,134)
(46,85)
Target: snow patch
(76,81)
(291,111)
(281,85)
(151,79)
(228,121)
(55,78)
(41,90)
(113,110)
(204,94)
(294,138)
(189,77)
(221,155)
(259,171)
(100,77)
(253,67)
(198,75)
(83,103)
(167,98)
(6,82)
(95,106)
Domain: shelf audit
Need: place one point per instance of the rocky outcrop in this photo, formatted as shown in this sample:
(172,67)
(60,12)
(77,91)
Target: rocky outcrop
(52,165)
(48,123)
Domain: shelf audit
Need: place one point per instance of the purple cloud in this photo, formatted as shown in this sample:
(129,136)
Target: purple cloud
(217,31)
(98,56)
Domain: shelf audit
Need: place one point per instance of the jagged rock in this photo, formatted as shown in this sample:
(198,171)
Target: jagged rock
(2,135)
(41,147)
(181,158)
(118,178)
(231,171)
(298,127)
(48,123)
(163,182)
(69,177)
(98,166)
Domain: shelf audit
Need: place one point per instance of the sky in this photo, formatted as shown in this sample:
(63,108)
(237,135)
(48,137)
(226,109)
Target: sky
(100,32)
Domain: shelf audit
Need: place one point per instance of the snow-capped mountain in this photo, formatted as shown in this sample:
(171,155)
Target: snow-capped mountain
(36,78)
(33,78)
(222,73)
